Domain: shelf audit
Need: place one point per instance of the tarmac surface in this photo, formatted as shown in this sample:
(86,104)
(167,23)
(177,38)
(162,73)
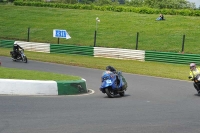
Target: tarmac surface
(150,105)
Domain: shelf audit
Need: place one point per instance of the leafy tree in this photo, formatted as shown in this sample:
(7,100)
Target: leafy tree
(169,4)
(106,2)
(136,3)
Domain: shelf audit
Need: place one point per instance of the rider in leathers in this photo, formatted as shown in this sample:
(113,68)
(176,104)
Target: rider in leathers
(193,72)
(109,70)
(16,48)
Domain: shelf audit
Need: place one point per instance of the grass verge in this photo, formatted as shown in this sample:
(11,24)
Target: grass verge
(174,71)
(116,29)
(10,73)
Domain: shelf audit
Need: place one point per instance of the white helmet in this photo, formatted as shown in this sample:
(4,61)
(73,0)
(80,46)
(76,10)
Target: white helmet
(192,66)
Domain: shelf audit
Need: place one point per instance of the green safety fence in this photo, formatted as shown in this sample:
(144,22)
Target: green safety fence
(71,49)
(6,43)
(167,57)
(170,57)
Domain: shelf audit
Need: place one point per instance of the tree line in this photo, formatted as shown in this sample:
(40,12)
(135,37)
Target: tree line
(159,4)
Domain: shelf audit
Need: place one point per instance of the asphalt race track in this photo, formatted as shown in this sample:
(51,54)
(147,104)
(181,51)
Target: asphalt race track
(150,105)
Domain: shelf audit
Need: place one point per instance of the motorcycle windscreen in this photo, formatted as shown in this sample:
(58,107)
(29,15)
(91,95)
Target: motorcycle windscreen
(108,80)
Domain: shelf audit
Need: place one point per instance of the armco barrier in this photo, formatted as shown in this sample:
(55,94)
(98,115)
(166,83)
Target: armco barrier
(118,53)
(170,57)
(167,57)
(34,46)
(38,87)
(71,49)
(6,43)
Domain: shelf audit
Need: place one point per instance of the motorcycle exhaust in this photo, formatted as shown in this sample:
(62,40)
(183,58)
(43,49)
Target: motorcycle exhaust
(120,91)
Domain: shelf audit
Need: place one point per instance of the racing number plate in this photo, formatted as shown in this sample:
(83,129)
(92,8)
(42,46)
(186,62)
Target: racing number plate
(108,81)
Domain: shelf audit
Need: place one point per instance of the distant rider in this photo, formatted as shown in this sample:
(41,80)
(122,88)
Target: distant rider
(193,72)
(16,48)
(109,70)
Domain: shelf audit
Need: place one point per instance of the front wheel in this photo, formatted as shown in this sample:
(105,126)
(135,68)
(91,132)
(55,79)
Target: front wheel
(14,59)
(25,60)
(196,86)
(109,93)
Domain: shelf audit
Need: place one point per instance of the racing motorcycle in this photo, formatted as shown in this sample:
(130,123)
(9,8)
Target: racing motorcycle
(197,83)
(113,84)
(21,56)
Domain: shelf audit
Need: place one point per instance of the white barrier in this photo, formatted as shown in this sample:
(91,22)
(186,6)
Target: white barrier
(116,53)
(33,46)
(28,87)
(119,53)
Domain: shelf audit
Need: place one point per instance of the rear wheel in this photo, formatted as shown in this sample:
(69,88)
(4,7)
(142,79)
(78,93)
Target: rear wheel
(12,56)
(122,93)
(109,93)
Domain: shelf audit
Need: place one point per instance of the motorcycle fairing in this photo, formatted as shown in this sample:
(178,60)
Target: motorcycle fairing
(113,81)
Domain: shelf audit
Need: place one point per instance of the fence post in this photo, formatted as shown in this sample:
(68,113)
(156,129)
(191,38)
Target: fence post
(137,40)
(183,42)
(95,36)
(28,34)
(58,40)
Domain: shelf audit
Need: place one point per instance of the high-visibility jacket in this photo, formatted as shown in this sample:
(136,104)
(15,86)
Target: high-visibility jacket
(193,73)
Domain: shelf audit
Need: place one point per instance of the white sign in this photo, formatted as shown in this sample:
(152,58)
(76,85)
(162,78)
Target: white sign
(60,34)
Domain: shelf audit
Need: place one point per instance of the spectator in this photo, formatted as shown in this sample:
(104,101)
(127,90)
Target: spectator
(161,17)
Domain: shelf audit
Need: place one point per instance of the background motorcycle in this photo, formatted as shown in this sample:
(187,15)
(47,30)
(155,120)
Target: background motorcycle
(21,56)
(113,84)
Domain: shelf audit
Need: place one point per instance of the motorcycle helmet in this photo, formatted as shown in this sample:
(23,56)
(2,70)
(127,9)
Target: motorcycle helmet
(108,68)
(192,65)
(15,44)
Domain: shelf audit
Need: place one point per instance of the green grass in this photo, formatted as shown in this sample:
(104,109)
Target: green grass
(129,66)
(116,29)
(10,73)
